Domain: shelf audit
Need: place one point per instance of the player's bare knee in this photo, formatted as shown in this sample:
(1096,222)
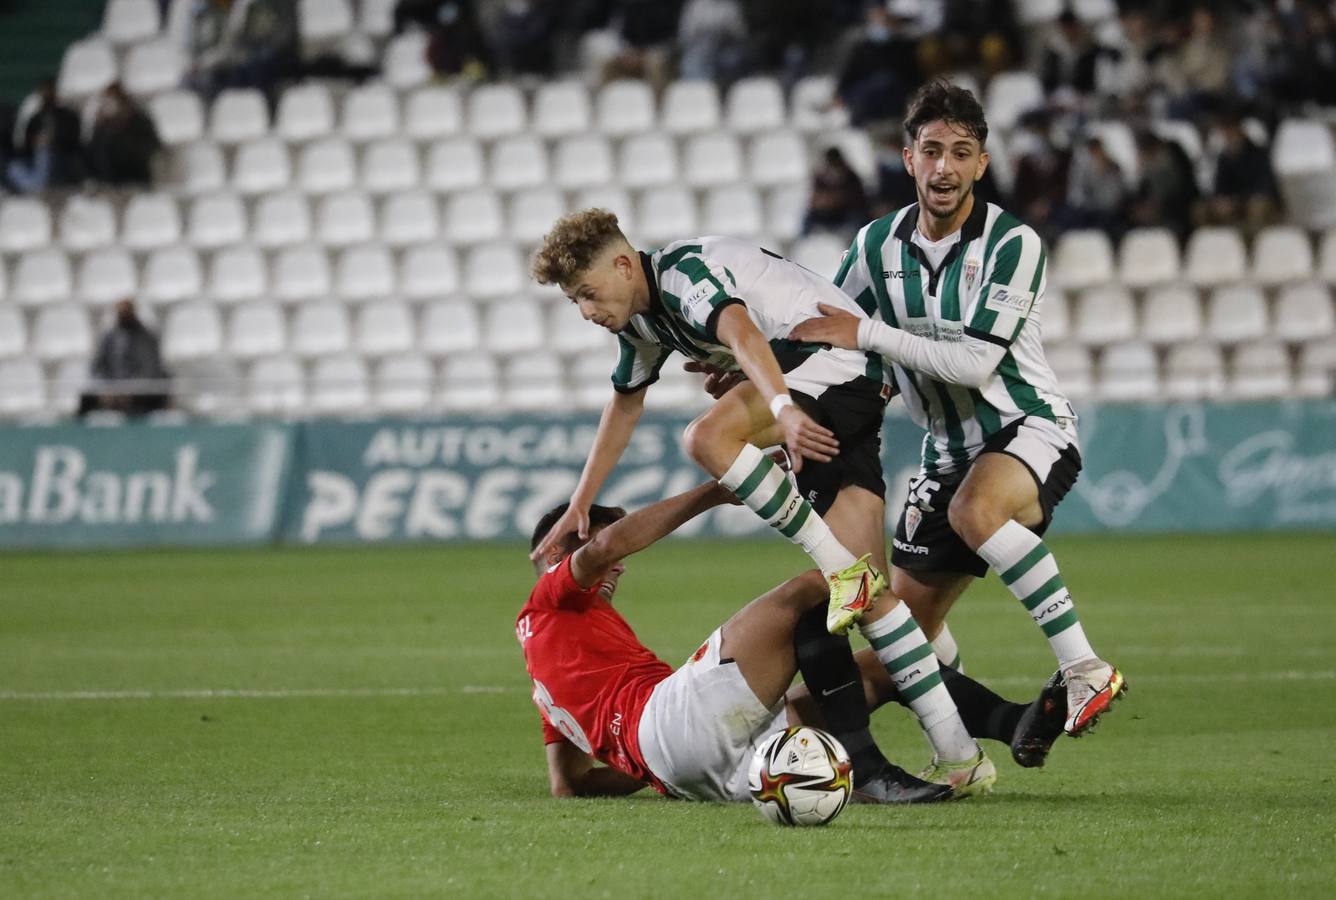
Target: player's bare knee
(974,518)
(700,440)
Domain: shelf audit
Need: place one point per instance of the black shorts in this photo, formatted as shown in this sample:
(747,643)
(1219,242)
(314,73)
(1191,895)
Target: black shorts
(924,540)
(853,411)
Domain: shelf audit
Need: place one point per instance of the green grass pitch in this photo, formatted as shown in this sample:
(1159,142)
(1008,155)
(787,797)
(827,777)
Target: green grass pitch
(356,722)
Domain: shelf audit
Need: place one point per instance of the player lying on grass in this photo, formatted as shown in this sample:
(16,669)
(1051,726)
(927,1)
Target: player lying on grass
(954,290)
(605,697)
(728,304)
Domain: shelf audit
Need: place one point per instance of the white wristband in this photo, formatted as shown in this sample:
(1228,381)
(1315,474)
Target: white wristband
(778,403)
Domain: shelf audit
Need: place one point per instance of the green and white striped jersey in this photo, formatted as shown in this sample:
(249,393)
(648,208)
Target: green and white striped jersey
(692,281)
(988,287)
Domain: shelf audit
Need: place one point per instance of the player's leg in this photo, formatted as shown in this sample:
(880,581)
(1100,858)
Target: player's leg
(759,637)
(930,596)
(1000,511)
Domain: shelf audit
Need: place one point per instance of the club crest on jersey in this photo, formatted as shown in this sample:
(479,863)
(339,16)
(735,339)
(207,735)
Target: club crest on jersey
(971,273)
(913,516)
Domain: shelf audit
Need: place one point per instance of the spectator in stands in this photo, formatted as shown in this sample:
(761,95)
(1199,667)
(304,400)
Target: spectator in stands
(48,154)
(1167,191)
(1130,55)
(521,36)
(880,70)
(127,371)
(712,35)
(1040,188)
(647,30)
(839,201)
(241,43)
(895,186)
(1303,56)
(1244,192)
(786,34)
(455,43)
(1069,57)
(1198,71)
(123,142)
(1096,191)
(973,34)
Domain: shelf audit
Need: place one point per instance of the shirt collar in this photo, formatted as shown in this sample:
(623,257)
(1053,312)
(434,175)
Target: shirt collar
(971,230)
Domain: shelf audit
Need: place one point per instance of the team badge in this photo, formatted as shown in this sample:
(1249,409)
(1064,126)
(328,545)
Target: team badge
(971,273)
(913,516)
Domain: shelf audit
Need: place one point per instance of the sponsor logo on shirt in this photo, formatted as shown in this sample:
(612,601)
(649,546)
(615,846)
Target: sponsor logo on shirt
(900,273)
(1003,298)
(699,297)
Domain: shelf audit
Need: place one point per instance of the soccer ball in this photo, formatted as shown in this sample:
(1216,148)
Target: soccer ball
(800,776)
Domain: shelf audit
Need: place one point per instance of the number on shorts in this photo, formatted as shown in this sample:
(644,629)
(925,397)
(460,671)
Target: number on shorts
(560,719)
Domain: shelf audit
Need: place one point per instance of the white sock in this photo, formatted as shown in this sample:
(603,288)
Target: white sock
(1028,569)
(948,654)
(767,491)
(900,645)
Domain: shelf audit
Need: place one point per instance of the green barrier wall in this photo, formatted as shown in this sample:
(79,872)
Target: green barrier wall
(1151,468)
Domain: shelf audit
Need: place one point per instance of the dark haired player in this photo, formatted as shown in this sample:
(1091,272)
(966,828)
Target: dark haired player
(954,289)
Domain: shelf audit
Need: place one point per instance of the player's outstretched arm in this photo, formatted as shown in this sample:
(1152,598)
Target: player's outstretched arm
(572,773)
(619,419)
(642,528)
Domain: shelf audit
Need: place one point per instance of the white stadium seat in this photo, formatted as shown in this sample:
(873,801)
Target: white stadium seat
(858,150)
(755,104)
(364,273)
(470,381)
(434,112)
(130,21)
(666,214)
(819,252)
(1148,256)
(192,331)
(494,270)
(1215,256)
(405,64)
(25,224)
(61,331)
(450,327)
(814,107)
(340,384)
(385,328)
(87,67)
(495,110)
(1303,155)
(216,220)
(403,384)
(236,274)
(612,197)
(239,115)
(785,208)
(455,164)
(323,22)
(370,111)
(1236,313)
(590,379)
(326,166)
(390,165)
(712,160)
(624,107)
(376,17)
(473,217)
(153,67)
(647,160)
(1121,146)
(1326,266)
(513,325)
(1129,371)
(779,157)
(178,116)
(261,166)
(411,217)
(200,167)
(305,112)
(734,210)
(276,385)
(428,272)
(1039,12)
(42,276)
(86,223)
(22,387)
(1260,369)
(532,212)
(257,329)
(518,162)
(1304,313)
(13,332)
(107,275)
(582,161)
(1171,314)
(282,220)
(1316,376)
(534,382)
(1073,369)
(1105,315)
(690,107)
(1281,254)
(4,280)
(172,274)
(1009,95)
(561,108)
(1054,315)
(320,328)
(150,220)
(568,333)
(346,218)
(1083,259)
(301,273)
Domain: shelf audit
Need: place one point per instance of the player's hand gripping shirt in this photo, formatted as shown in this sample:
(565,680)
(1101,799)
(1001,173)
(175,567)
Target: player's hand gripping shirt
(591,676)
(692,282)
(989,287)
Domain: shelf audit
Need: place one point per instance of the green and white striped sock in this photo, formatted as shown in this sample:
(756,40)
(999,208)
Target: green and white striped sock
(900,645)
(1029,571)
(948,654)
(767,491)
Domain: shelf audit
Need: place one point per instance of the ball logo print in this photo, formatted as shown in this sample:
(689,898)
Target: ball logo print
(800,776)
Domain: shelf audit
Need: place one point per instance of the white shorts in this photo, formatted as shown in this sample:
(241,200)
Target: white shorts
(701,726)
